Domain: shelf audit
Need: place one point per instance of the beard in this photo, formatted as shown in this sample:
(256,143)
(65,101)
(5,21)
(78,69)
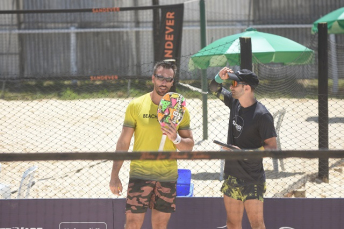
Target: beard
(234,96)
(237,94)
(162,90)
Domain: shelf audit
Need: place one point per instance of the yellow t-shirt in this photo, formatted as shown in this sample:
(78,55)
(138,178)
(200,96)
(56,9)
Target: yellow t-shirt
(141,114)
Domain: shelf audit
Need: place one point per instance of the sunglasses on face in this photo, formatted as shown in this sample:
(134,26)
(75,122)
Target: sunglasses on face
(161,78)
(235,83)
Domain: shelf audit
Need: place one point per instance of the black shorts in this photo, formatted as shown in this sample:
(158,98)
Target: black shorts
(239,190)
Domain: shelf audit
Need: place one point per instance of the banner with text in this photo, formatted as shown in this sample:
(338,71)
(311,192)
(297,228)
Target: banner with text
(170,34)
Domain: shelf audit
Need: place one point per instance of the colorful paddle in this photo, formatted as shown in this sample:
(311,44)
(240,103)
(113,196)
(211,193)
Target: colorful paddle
(170,112)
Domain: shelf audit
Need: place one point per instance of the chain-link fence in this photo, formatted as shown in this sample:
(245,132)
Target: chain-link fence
(94,125)
(60,115)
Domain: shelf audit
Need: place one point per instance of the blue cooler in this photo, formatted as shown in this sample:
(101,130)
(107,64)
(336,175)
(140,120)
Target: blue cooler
(184,186)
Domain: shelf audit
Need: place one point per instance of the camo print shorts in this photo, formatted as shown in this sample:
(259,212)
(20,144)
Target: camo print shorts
(239,190)
(153,194)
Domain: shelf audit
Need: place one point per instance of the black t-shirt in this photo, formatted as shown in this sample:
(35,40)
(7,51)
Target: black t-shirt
(248,128)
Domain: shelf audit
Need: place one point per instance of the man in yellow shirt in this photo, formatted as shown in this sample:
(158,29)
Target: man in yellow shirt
(151,183)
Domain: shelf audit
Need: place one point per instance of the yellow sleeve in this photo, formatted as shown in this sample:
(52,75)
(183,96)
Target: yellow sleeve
(185,123)
(130,117)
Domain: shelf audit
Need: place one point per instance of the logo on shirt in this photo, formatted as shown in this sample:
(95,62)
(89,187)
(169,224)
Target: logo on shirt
(150,116)
(238,124)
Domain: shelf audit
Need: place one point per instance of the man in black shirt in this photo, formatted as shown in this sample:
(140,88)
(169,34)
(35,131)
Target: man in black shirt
(251,127)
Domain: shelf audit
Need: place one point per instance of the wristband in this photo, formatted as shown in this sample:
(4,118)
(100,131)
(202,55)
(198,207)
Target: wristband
(178,140)
(218,79)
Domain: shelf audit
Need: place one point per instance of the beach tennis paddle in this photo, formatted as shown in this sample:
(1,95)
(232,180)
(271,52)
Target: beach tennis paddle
(170,112)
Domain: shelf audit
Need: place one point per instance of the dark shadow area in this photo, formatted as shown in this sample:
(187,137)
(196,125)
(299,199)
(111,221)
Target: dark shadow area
(82,89)
(330,120)
(270,174)
(58,88)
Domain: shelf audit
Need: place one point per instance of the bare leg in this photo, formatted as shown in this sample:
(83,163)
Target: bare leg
(134,220)
(160,219)
(254,210)
(235,211)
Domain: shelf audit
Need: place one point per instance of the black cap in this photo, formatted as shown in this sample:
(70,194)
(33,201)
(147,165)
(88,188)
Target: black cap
(245,75)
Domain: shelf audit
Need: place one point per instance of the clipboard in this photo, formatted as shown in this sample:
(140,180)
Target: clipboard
(225,145)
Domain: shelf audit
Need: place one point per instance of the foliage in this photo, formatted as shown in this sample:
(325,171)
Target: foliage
(71,90)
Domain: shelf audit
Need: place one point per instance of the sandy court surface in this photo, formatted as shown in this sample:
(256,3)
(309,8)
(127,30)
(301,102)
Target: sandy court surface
(95,125)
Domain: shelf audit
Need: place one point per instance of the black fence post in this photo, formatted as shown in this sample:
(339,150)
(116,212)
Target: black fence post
(245,53)
(323,173)
(156,30)
(204,71)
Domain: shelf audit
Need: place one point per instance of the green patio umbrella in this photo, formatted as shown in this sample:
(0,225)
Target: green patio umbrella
(334,20)
(266,48)
(335,25)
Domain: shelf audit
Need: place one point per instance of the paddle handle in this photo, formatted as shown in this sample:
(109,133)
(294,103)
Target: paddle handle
(162,142)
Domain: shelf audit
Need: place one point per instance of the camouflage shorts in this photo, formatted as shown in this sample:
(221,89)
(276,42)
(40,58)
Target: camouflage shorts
(153,194)
(239,190)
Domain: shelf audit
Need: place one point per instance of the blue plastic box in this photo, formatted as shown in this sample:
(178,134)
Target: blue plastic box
(184,186)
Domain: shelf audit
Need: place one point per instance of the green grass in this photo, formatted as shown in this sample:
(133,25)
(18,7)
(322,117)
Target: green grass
(68,90)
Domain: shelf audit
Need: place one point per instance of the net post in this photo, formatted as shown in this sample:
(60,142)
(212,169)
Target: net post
(323,173)
(204,72)
(245,53)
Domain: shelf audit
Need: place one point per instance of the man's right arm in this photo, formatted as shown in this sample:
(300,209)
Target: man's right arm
(215,86)
(123,144)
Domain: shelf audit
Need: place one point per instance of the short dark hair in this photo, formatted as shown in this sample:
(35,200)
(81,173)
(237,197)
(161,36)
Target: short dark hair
(167,64)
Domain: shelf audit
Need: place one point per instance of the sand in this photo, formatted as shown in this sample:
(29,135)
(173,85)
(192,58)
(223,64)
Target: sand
(95,125)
